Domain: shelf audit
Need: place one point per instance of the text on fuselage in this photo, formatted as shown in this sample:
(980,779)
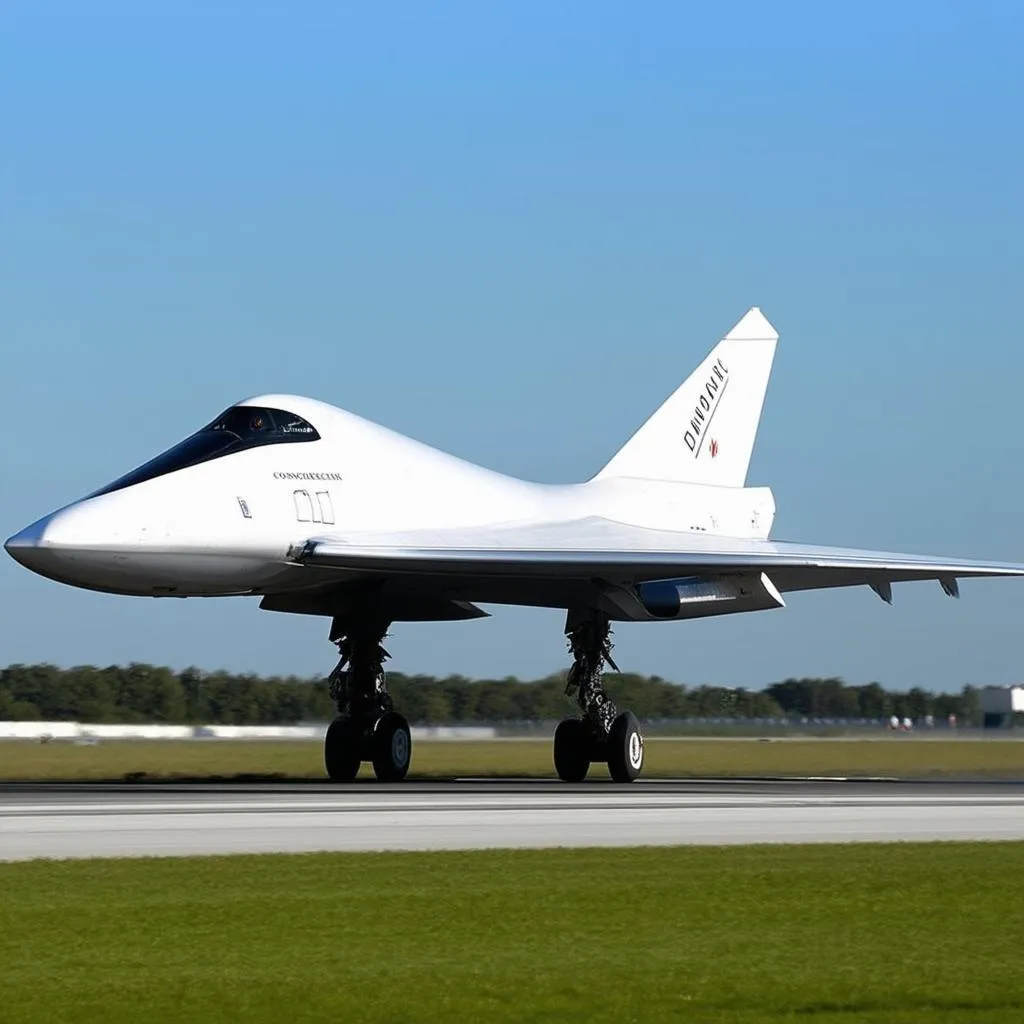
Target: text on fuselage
(305,475)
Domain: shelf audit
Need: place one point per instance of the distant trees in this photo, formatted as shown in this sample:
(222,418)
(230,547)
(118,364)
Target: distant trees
(147,693)
(832,698)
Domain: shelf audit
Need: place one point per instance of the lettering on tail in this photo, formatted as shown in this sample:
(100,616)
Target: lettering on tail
(707,404)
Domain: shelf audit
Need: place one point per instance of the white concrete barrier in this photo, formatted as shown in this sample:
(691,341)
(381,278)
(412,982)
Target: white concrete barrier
(78,730)
(138,731)
(41,731)
(454,732)
(260,732)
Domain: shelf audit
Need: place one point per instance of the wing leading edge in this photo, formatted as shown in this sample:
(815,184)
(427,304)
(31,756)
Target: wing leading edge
(596,548)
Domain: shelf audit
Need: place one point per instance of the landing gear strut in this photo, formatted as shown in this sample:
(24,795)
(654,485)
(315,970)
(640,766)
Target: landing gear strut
(601,733)
(367,727)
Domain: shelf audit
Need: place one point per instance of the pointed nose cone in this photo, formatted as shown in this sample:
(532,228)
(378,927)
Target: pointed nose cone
(25,547)
(100,543)
(54,545)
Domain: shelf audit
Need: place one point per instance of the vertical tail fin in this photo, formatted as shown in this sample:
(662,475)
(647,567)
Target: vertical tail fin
(704,432)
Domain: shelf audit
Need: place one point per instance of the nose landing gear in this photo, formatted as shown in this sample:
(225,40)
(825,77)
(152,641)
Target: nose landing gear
(601,733)
(367,727)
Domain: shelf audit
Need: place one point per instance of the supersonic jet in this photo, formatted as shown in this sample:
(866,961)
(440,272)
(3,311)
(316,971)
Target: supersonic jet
(319,512)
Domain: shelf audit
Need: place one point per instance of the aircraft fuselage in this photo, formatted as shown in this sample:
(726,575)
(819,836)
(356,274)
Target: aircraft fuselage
(230,524)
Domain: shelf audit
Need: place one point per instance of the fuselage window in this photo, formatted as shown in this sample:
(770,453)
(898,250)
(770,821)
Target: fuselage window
(238,429)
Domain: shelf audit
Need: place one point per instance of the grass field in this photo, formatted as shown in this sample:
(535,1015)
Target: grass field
(902,757)
(877,934)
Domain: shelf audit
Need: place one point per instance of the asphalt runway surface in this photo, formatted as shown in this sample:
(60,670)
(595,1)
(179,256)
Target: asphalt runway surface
(100,820)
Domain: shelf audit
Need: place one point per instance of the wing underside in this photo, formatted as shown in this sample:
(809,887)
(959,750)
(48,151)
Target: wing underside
(598,549)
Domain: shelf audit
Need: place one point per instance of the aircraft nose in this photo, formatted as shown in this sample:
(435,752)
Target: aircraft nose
(24,547)
(53,544)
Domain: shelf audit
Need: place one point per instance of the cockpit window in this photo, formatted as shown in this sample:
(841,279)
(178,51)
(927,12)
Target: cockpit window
(265,426)
(239,428)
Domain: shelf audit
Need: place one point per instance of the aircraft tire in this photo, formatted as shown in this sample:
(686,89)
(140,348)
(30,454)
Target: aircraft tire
(572,750)
(391,747)
(341,750)
(625,748)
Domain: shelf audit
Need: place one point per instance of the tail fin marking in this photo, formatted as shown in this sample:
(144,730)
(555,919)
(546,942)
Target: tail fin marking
(704,432)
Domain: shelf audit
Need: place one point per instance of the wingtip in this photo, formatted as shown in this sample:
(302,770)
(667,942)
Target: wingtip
(753,326)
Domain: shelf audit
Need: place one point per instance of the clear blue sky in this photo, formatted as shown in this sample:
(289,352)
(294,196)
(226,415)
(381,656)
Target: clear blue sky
(510,230)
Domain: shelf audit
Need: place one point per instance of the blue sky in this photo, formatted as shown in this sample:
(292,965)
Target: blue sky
(510,230)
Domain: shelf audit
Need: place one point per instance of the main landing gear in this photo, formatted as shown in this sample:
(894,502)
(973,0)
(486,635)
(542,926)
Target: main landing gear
(367,727)
(601,733)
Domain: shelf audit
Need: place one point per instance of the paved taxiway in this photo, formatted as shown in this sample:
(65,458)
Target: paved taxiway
(105,821)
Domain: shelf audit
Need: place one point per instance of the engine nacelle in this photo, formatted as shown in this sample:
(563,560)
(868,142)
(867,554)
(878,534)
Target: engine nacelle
(694,597)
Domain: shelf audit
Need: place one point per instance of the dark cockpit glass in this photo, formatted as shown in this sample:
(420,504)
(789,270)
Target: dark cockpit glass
(239,428)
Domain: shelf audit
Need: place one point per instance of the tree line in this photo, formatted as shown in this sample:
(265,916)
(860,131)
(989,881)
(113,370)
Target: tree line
(149,693)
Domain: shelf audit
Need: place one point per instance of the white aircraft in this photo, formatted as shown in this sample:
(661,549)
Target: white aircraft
(320,512)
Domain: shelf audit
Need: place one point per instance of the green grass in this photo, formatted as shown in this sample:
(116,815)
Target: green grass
(865,933)
(902,757)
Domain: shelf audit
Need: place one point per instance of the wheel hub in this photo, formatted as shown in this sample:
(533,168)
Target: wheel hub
(636,751)
(400,747)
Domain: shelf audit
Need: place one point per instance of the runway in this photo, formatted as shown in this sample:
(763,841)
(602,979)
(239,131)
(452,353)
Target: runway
(62,821)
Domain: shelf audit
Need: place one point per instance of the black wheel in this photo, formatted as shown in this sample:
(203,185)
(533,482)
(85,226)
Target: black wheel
(392,747)
(572,750)
(625,748)
(341,750)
